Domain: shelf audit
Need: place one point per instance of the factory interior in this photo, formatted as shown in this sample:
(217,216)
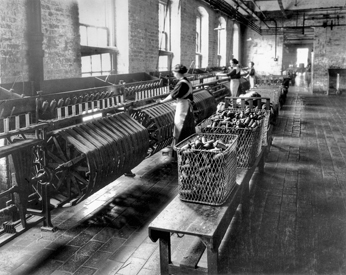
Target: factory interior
(93,177)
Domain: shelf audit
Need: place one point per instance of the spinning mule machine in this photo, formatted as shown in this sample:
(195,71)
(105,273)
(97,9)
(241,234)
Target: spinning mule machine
(60,148)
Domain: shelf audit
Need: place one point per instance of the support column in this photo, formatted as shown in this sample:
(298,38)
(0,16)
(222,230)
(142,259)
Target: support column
(34,37)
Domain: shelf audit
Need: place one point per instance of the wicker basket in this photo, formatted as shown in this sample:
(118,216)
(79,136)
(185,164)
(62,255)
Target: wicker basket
(249,143)
(206,176)
(265,128)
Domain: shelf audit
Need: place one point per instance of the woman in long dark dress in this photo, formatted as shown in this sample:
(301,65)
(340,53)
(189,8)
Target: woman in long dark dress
(234,75)
(184,123)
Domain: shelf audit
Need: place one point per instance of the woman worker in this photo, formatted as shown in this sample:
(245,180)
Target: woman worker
(184,123)
(234,74)
(252,74)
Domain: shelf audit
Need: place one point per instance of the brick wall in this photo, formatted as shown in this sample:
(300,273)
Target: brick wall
(188,32)
(261,50)
(60,28)
(329,51)
(13,64)
(143,35)
(60,40)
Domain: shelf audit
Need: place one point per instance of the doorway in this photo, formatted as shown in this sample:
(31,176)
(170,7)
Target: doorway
(302,58)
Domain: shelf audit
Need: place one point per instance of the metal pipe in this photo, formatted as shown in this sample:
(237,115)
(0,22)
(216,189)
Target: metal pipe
(276,30)
(233,13)
(252,13)
(313,26)
(265,17)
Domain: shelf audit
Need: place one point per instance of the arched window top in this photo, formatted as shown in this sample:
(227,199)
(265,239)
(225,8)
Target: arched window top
(202,12)
(222,22)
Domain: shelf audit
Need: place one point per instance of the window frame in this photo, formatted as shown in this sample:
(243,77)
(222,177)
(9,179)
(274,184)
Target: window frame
(90,50)
(165,51)
(198,33)
(219,56)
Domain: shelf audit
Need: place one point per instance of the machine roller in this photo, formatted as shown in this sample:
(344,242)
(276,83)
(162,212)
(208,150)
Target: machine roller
(159,120)
(205,105)
(86,157)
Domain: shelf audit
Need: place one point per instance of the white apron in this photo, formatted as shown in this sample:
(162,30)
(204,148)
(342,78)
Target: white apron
(252,81)
(234,85)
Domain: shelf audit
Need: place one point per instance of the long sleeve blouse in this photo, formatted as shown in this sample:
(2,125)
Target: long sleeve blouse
(233,74)
(181,89)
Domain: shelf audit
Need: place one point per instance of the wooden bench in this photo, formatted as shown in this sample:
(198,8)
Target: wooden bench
(208,223)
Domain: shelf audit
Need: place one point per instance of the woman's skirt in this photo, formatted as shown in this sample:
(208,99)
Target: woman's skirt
(184,123)
(252,81)
(234,85)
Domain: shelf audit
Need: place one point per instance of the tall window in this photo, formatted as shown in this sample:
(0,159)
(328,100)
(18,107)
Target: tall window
(202,38)
(221,42)
(198,41)
(96,26)
(165,54)
(236,41)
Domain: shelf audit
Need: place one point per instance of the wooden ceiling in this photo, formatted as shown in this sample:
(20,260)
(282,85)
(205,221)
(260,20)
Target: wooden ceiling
(288,8)
(295,19)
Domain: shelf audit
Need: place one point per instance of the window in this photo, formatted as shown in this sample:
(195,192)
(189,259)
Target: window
(198,33)
(236,41)
(198,41)
(96,37)
(221,42)
(202,38)
(165,54)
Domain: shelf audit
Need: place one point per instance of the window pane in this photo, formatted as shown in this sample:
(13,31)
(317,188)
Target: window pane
(106,62)
(86,64)
(102,38)
(198,61)
(198,34)
(162,8)
(96,63)
(164,26)
(163,63)
(93,12)
(92,36)
(163,41)
(83,35)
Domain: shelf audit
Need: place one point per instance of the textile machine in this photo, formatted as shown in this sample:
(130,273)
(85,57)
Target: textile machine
(59,148)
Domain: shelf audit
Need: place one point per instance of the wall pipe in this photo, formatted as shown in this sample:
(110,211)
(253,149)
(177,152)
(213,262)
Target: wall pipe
(276,32)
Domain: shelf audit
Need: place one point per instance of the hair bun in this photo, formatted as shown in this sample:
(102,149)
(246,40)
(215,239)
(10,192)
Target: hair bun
(235,61)
(179,68)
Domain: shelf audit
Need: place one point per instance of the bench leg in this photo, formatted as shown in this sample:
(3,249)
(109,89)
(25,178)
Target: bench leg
(165,252)
(261,162)
(213,261)
(245,204)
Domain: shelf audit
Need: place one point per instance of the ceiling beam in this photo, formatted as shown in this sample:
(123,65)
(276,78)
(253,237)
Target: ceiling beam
(233,13)
(282,8)
(249,11)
